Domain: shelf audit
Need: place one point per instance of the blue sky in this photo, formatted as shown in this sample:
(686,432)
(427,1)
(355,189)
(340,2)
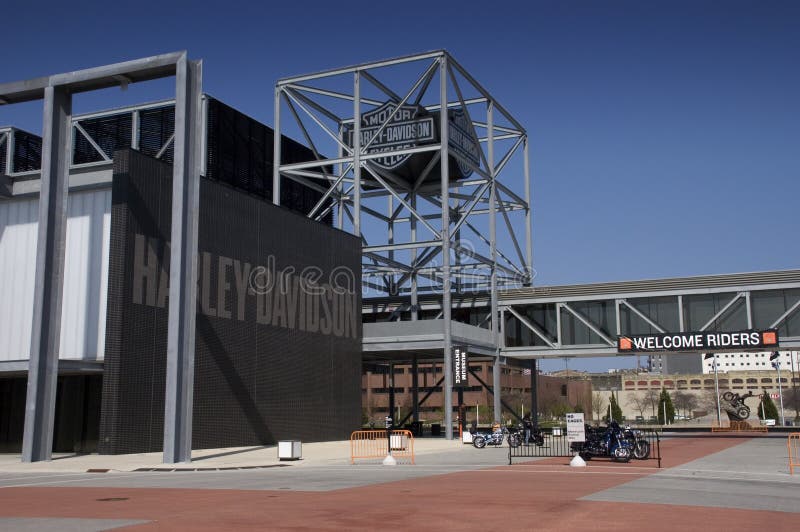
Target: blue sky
(664,134)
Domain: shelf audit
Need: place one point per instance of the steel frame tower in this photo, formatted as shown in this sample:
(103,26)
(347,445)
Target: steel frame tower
(411,243)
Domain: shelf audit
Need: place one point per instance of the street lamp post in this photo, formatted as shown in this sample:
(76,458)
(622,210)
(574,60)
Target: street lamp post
(716,386)
(792,354)
(777,365)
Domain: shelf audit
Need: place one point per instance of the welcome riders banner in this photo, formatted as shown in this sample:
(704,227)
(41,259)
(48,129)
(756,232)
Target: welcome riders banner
(749,340)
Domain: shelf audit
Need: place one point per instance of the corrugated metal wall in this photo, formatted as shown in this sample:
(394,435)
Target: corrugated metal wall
(83,317)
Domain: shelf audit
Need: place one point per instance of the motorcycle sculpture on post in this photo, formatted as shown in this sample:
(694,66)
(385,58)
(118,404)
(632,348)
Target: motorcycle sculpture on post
(611,442)
(734,406)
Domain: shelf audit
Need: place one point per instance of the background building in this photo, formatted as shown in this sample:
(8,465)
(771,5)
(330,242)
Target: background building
(556,394)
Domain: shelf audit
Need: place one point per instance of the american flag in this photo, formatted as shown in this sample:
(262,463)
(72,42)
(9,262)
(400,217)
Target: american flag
(526,371)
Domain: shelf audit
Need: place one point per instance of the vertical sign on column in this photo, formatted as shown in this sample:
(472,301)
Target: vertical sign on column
(460,365)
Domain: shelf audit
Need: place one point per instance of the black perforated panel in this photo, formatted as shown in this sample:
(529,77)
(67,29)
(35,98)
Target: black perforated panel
(282,365)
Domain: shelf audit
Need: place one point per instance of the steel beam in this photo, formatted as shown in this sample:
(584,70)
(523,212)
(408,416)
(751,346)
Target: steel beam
(785,315)
(528,214)
(636,311)
(37,440)
(583,319)
(356,153)
(363,66)
(533,328)
(276,150)
(183,263)
(722,311)
(445,236)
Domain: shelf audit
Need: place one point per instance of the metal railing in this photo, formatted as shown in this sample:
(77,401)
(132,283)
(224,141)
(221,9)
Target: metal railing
(556,445)
(95,136)
(374,445)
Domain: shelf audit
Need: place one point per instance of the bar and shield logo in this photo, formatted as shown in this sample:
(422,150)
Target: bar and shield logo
(460,365)
(462,141)
(390,128)
(409,127)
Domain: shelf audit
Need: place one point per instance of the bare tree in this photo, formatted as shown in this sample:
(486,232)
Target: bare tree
(684,401)
(598,405)
(707,401)
(638,402)
(651,398)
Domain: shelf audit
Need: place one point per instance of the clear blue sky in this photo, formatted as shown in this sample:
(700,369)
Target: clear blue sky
(664,134)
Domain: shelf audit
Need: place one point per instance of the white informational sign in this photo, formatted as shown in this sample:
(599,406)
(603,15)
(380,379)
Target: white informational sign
(575,427)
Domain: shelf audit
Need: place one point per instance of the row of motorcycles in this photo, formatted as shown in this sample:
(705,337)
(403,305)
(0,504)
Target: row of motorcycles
(619,443)
(515,437)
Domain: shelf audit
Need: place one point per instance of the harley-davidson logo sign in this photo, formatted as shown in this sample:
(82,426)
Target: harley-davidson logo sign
(405,130)
(411,126)
(462,142)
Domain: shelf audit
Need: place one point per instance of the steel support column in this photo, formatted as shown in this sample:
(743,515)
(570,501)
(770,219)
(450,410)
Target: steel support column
(357,153)
(276,149)
(497,404)
(415,388)
(37,442)
(391,396)
(179,393)
(534,391)
(493,252)
(446,296)
(528,215)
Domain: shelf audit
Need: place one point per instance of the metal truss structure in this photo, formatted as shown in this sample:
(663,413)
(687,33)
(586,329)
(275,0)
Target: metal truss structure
(549,322)
(433,229)
(585,320)
(366,195)
(90,160)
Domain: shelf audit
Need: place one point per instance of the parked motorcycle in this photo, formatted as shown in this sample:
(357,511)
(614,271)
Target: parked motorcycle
(496,438)
(640,447)
(518,435)
(611,442)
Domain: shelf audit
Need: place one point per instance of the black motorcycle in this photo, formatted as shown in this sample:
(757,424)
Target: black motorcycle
(518,435)
(610,442)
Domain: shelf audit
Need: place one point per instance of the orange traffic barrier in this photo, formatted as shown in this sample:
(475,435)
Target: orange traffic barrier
(373,445)
(794,451)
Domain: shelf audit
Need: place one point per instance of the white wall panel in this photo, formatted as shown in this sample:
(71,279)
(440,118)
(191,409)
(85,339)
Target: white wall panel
(17,259)
(83,316)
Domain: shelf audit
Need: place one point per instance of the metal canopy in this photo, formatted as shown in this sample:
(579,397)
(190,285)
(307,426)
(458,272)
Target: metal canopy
(423,337)
(429,229)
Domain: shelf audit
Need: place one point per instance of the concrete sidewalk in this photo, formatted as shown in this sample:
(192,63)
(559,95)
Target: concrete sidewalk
(317,453)
(453,486)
